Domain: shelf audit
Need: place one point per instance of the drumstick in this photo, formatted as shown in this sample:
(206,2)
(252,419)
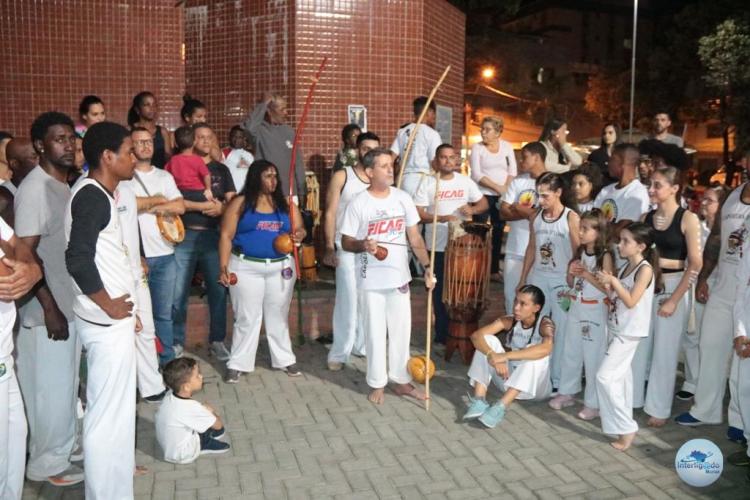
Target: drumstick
(428,343)
(413,134)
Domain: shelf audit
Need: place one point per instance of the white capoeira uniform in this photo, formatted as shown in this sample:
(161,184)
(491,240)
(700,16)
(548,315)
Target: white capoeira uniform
(422,153)
(149,380)
(739,380)
(530,377)
(669,333)
(109,421)
(552,254)
(384,285)
(717,327)
(585,338)
(629,202)
(12,417)
(614,381)
(47,369)
(348,336)
(691,341)
(521,191)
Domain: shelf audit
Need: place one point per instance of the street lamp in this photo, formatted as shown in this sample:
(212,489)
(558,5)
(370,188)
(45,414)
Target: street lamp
(488,73)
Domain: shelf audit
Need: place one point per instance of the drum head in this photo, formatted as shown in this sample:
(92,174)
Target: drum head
(170,227)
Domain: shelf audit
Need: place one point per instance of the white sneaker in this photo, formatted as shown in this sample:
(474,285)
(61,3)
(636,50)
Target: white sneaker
(178,350)
(219,350)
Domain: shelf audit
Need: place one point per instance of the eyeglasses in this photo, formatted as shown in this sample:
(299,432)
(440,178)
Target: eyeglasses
(145,142)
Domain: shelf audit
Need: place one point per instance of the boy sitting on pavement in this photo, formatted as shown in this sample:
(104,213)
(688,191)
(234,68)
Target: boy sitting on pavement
(186,428)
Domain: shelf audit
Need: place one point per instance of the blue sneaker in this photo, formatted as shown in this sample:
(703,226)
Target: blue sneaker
(688,420)
(736,435)
(476,408)
(493,416)
(212,446)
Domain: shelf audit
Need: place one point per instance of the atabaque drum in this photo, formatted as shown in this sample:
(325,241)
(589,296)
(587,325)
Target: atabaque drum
(466,283)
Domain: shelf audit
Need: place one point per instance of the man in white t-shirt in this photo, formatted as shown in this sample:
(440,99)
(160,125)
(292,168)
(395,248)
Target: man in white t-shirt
(423,149)
(237,158)
(23,274)
(376,226)
(459,198)
(626,200)
(156,192)
(518,205)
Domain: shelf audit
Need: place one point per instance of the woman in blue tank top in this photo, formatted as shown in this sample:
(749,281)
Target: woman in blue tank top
(260,278)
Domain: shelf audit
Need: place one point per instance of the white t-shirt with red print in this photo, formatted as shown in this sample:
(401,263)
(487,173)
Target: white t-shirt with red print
(384,220)
(454,193)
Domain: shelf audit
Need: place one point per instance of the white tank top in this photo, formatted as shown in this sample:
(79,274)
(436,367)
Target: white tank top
(553,250)
(582,287)
(735,222)
(111,260)
(522,337)
(353,185)
(634,322)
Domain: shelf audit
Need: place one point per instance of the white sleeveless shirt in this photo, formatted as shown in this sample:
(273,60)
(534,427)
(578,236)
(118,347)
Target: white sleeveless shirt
(735,233)
(553,250)
(521,338)
(353,185)
(582,287)
(111,260)
(635,322)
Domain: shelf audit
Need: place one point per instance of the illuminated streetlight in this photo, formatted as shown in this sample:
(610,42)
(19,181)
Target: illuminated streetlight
(488,72)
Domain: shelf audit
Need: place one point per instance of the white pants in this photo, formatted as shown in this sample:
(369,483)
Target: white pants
(530,377)
(48,377)
(585,344)
(640,365)
(669,335)
(386,317)
(150,381)
(739,387)
(109,422)
(12,434)
(614,386)
(554,289)
(691,341)
(262,295)
(512,268)
(347,329)
(411,182)
(715,356)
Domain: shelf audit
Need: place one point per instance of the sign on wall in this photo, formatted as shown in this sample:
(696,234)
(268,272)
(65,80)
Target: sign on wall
(357,114)
(444,123)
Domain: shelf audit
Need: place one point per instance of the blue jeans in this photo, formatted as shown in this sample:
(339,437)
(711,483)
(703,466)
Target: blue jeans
(162,272)
(441,313)
(201,249)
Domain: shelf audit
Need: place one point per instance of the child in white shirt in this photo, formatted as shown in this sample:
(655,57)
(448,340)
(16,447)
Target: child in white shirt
(186,428)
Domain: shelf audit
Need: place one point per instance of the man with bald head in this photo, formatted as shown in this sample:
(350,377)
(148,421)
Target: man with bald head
(21,158)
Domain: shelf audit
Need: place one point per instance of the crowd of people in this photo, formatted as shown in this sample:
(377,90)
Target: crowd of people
(607,277)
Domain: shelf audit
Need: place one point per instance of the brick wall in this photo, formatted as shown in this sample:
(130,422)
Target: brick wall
(55,52)
(381,54)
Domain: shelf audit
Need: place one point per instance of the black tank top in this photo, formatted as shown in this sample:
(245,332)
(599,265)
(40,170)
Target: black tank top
(671,243)
(159,159)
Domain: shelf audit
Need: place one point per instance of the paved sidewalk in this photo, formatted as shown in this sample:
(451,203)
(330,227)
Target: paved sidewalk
(318,437)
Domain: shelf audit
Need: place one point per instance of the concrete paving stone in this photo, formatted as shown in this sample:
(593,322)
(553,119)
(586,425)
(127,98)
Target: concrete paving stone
(540,483)
(410,479)
(462,494)
(411,492)
(186,495)
(604,494)
(574,489)
(196,483)
(565,473)
(219,492)
(519,490)
(622,484)
(358,480)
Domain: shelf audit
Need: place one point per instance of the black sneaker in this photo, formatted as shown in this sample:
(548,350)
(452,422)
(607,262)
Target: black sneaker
(216,433)
(292,370)
(739,459)
(156,398)
(232,377)
(212,447)
(684,395)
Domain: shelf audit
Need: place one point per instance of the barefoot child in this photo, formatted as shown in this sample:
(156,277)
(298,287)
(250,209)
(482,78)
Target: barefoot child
(521,369)
(186,428)
(188,169)
(631,294)
(586,338)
